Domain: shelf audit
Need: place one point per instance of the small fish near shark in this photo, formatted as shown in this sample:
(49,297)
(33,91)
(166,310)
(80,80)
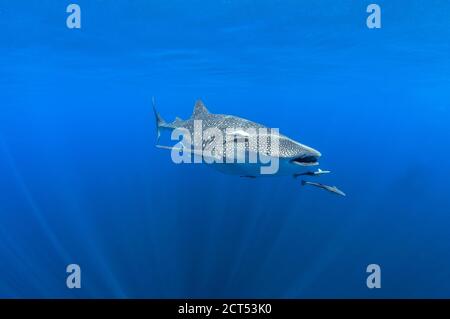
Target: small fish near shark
(292,158)
(332,189)
(316,173)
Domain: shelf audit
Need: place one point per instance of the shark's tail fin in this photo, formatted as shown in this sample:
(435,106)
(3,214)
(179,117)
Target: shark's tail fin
(303,183)
(159,120)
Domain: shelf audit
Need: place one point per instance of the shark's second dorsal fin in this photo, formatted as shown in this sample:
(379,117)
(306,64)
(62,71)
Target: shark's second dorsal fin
(177,121)
(199,109)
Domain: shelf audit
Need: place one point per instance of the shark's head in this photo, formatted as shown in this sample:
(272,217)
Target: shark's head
(286,155)
(296,153)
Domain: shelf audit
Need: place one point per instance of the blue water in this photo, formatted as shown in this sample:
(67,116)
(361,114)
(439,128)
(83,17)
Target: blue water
(81,181)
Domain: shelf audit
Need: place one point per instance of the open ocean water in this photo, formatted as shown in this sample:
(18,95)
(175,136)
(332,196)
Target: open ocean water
(81,181)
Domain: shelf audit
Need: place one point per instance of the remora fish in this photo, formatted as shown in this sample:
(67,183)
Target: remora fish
(332,189)
(316,173)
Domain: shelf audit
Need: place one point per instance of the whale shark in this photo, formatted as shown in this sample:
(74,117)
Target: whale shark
(292,157)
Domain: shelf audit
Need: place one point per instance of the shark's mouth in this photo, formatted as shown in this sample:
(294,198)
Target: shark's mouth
(306,160)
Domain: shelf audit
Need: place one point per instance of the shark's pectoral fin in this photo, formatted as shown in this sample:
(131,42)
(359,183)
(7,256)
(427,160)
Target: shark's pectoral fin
(164,147)
(180,149)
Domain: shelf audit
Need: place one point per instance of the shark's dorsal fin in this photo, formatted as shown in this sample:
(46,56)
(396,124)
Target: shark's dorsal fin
(199,109)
